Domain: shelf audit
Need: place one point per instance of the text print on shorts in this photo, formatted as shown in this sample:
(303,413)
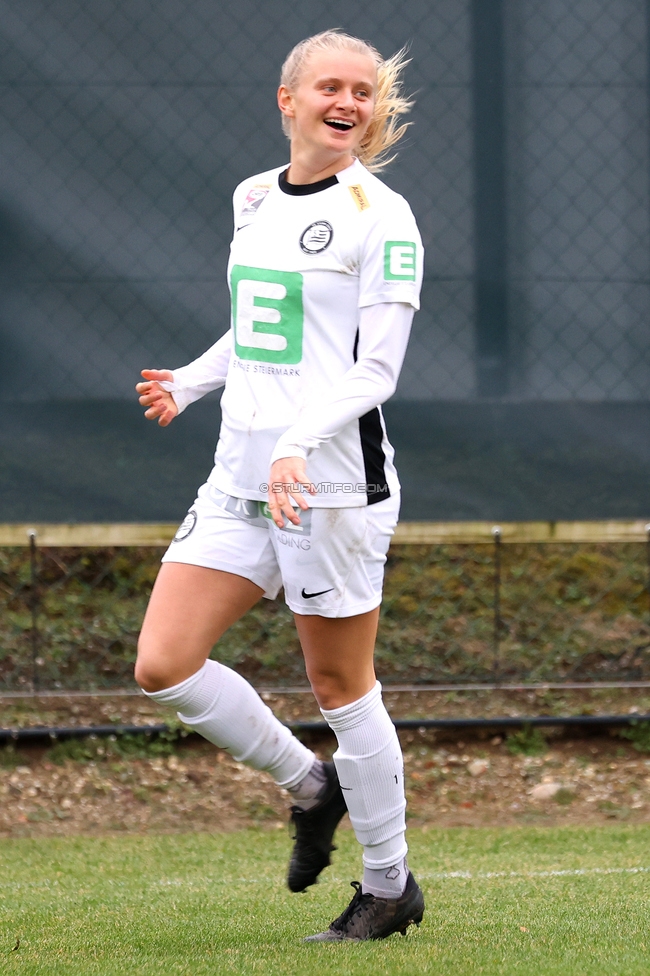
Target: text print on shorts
(267,314)
(259,513)
(244,509)
(186,526)
(399,261)
(290,535)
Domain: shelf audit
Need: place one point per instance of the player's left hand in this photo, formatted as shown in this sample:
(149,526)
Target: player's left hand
(288,476)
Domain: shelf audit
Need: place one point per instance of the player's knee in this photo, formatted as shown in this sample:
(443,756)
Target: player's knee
(330,690)
(330,699)
(147,678)
(151,673)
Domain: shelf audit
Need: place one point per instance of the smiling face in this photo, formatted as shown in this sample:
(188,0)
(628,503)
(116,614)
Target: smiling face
(331,107)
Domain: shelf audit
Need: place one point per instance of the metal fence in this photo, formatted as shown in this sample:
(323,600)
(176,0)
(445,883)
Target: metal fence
(488,611)
(125,128)
(125,131)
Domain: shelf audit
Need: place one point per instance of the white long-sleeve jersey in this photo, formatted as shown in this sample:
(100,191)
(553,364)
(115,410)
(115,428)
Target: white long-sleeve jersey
(325,279)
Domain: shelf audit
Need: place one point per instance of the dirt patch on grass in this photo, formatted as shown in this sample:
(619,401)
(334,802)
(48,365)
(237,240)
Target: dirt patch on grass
(135,709)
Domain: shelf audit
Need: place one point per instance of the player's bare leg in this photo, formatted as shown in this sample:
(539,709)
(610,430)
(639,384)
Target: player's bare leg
(339,656)
(190,608)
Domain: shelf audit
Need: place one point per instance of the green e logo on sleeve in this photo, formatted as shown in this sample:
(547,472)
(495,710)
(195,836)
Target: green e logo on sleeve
(267,314)
(399,261)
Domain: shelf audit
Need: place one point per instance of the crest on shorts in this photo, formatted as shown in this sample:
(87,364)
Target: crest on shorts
(254,199)
(186,526)
(316,237)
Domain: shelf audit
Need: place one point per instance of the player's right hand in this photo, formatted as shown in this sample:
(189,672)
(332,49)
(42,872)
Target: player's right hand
(159,402)
(288,481)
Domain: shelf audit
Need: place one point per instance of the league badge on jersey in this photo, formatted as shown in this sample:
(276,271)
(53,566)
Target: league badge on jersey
(254,199)
(316,237)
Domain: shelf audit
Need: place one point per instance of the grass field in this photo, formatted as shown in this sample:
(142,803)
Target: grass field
(518,901)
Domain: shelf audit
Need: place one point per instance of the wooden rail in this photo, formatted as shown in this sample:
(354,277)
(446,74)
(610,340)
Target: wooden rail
(415,533)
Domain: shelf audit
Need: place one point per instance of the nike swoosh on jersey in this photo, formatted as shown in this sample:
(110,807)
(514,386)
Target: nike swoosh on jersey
(308,596)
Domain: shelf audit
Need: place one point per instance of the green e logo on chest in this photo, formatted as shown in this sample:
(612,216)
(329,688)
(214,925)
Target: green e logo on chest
(267,314)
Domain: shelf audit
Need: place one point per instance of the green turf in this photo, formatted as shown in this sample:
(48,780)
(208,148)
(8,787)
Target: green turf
(204,904)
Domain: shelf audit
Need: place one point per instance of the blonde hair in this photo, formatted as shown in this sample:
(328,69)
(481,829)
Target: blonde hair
(384,130)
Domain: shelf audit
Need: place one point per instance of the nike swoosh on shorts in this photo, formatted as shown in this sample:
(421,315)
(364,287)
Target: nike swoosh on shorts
(308,596)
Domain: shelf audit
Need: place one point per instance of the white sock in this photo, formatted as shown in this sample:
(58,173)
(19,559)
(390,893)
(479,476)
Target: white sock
(308,792)
(385,882)
(227,711)
(371,772)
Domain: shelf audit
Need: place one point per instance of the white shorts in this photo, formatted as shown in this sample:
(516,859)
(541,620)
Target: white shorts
(331,565)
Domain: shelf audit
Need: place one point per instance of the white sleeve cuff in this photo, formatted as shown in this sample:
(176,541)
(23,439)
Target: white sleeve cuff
(182,397)
(285,449)
(203,375)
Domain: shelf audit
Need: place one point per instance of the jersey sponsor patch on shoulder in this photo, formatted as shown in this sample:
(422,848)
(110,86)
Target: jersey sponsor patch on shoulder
(254,199)
(359,197)
(399,261)
(317,237)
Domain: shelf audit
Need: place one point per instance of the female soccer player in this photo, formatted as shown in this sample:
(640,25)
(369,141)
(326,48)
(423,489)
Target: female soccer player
(325,271)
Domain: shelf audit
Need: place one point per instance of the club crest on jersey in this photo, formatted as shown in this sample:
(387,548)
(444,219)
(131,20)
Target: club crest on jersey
(316,237)
(254,199)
